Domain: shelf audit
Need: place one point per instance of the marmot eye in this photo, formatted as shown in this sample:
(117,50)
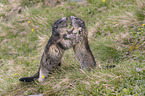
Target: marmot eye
(57,34)
(77,18)
(60,21)
(80,31)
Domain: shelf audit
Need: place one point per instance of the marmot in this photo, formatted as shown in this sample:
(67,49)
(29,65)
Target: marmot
(62,39)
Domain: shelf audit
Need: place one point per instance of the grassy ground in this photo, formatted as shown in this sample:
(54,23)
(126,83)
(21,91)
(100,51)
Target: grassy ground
(116,36)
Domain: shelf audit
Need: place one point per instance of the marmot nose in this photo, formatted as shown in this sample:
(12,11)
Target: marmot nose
(64,18)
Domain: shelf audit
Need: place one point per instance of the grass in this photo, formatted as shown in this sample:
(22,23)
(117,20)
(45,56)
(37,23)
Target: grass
(116,37)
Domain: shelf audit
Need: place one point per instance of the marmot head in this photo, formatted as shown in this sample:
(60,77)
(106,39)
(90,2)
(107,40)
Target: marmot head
(77,22)
(77,32)
(59,31)
(59,26)
(68,31)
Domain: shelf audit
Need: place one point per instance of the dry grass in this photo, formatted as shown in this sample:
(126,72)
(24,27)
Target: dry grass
(116,36)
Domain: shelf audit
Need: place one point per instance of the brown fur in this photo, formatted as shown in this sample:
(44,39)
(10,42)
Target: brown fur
(53,52)
(61,40)
(82,49)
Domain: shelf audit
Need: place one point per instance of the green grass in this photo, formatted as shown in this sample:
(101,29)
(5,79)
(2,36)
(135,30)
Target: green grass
(116,37)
